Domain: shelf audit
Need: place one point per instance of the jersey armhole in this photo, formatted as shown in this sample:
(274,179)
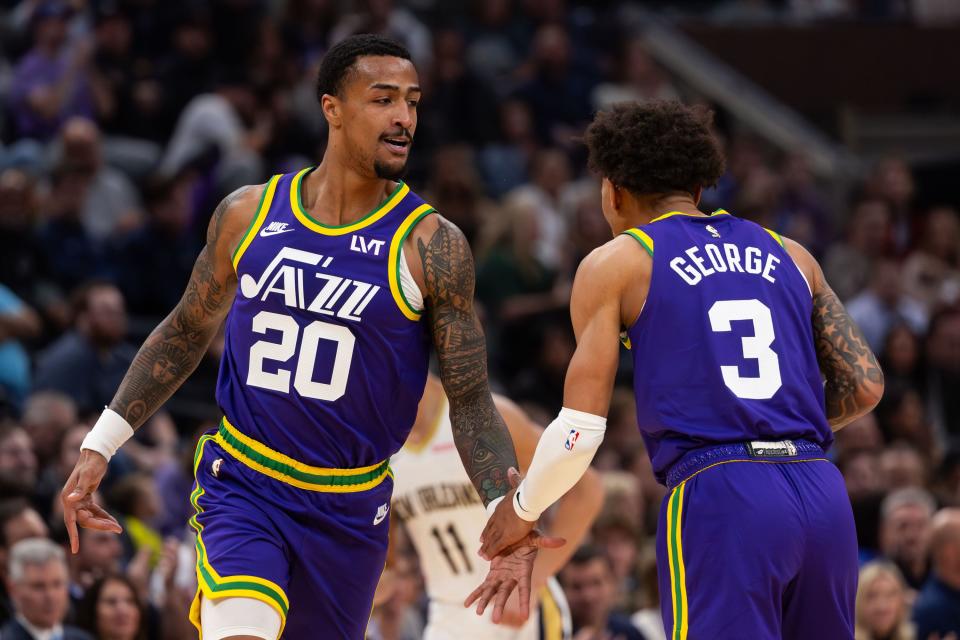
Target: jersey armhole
(776,236)
(402,284)
(266,199)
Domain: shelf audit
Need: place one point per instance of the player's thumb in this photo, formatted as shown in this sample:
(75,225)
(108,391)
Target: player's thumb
(550,542)
(513,476)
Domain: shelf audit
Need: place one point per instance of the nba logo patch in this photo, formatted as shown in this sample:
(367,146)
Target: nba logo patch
(572,438)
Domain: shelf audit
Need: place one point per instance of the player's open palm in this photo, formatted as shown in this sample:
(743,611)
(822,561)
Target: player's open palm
(77,498)
(508,571)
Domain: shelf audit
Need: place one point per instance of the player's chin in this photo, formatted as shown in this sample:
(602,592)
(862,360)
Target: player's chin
(390,168)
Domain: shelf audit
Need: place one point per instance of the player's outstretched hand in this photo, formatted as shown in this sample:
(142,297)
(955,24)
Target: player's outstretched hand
(77,498)
(508,571)
(504,528)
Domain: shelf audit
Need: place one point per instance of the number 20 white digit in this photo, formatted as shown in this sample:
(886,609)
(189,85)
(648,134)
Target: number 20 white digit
(303,380)
(756,347)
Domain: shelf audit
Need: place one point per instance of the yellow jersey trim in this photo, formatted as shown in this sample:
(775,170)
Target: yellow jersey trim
(266,199)
(296,204)
(718,212)
(393,260)
(678,575)
(297,466)
(641,236)
(775,236)
(551,620)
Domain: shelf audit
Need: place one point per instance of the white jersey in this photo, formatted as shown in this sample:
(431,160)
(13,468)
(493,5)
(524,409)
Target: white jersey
(439,507)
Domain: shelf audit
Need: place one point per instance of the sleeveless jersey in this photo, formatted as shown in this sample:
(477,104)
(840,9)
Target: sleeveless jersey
(723,347)
(325,359)
(443,515)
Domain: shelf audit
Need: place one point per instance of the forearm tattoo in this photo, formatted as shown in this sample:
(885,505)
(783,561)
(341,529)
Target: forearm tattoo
(481,436)
(845,359)
(174,349)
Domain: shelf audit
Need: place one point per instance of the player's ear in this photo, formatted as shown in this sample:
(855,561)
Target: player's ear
(332,110)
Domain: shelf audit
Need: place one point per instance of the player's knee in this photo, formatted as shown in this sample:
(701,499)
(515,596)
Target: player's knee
(237,618)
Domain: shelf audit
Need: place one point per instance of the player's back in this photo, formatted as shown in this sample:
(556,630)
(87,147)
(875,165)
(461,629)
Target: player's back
(723,347)
(325,359)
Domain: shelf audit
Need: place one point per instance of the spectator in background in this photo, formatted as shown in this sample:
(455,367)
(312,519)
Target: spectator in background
(932,272)
(73,255)
(47,415)
(38,588)
(882,604)
(504,163)
(111,610)
(187,69)
(137,502)
(558,89)
(802,211)
(903,417)
(848,264)
(17,322)
(638,79)
(937,609)
(589,584)
(228,123)
(383,18)
(904,528)
(892,181)
(52,81)
(496,36)
(162,253)
(546,193)
(903,466)
(943,373)
(23,262)
(455,189)
(100,555)
(619,538)
(111,205)
(18,521)
(900,357)
(884,304)
(88,362)
(18,464)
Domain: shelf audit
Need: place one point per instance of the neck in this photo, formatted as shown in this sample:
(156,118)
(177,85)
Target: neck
(336,194)
(637,212)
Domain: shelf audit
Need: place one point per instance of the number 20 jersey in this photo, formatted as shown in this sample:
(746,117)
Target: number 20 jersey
(723,347)
(325,359)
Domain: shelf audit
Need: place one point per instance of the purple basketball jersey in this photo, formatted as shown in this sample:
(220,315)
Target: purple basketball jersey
(723,349)
(325,360)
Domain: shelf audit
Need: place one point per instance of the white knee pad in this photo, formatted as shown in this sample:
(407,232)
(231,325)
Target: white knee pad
(238,616)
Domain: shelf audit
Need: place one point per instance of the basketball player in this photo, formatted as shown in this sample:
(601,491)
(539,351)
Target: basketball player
(329,315)
(731,328)
(435,502)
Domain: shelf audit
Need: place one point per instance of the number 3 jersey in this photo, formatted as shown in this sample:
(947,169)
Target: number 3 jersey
(325,357)
(723,347)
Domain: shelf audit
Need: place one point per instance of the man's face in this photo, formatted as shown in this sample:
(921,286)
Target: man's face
(41,594)
(28,524)
(589,591)
(378,114)
(107,316)
(100,552)
(17,460)
(904,533)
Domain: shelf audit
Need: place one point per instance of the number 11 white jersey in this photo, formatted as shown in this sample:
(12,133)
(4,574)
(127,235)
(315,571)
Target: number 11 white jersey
(439,507)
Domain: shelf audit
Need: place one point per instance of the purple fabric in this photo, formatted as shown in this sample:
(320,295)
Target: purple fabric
(769,551)
(38,70)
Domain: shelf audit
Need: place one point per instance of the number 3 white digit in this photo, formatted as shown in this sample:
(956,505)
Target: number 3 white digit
(303,380)
(756,347)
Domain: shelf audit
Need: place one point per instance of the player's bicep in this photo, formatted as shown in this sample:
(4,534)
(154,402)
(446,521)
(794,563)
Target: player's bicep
(596,316)
(448,279)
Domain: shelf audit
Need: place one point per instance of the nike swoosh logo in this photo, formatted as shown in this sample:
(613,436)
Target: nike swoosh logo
(267,232)
(377,519)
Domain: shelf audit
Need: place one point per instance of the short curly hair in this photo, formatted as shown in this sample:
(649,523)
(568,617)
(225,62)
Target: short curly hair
(339,59)
(655,147)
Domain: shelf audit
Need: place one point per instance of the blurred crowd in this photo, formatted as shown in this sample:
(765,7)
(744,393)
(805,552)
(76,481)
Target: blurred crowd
(123,123)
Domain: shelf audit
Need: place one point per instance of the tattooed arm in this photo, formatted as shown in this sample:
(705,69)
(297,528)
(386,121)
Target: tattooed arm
(174,349)
(854,381)
(168,356)
(444,265)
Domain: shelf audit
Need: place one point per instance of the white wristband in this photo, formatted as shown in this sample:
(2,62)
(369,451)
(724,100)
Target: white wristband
(108,434)
(523,514)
